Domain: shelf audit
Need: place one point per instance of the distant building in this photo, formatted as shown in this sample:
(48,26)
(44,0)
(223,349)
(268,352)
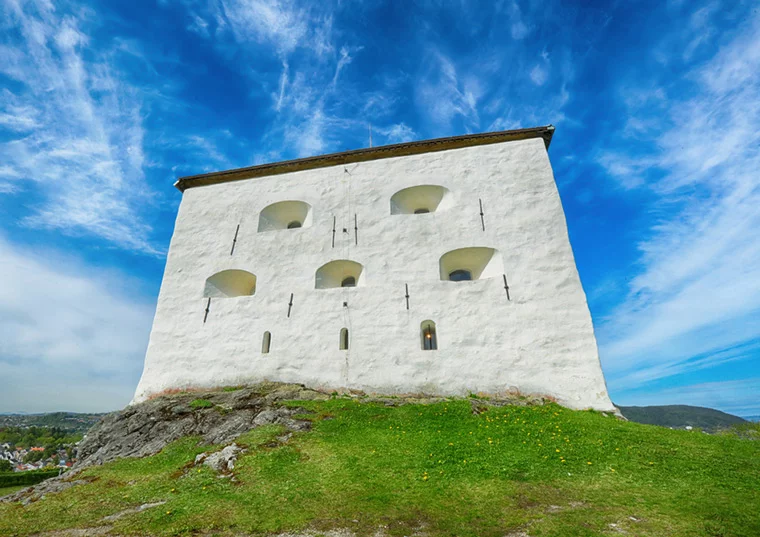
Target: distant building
(441,266)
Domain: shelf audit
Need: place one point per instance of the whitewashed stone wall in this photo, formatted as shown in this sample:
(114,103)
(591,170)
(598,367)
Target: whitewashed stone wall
(540,341)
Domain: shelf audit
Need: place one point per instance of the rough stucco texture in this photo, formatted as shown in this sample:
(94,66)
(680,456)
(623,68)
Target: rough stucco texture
(540,341)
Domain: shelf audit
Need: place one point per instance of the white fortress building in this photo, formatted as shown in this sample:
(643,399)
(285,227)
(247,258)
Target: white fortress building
(439,267)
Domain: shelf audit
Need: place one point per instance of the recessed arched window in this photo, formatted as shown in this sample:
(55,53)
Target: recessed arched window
(475,263)
(266,342)
(339,273)
(428,336)
(460,276)
(344,339)
(230,283)
(420,199)
(289,214)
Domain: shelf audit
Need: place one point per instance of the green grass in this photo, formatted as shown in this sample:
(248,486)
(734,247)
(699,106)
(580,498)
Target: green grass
(4,491)
(440,468)
(201,403)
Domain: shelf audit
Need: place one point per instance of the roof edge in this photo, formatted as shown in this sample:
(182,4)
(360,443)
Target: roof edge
(365,154)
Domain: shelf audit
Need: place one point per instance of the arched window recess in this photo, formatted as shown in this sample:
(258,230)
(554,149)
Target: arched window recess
(428,336)
(266,342)
(420,199)
(344,339)
(476,263)
(339,273)
(291,214)
(230,283)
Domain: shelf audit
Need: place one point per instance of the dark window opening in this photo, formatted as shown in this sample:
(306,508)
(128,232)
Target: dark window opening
(429,338)
(460,276)
(266,342)
(294,224)
(348,282)
(421,211)
(344,339)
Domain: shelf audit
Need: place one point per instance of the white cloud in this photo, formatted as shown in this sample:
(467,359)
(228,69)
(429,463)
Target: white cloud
(71,337)
(345,59)
(280,97)
(283,24)
(400,132)
(698,292)
(198,25)
(442,95)
(518,29)
(83,139)
(539,75)
(308,96)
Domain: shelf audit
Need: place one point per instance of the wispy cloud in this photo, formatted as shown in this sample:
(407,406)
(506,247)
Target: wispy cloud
(70,323)
(539,74)
(394,134)
(518,28)
(75,127)
(308,92)
(698,291)
(444,95)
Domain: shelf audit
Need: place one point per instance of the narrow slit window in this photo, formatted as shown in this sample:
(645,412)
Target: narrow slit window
(421,211)
(265,343)
(460,276)
(294,224)
(350,281)
(428,336)
(344,339)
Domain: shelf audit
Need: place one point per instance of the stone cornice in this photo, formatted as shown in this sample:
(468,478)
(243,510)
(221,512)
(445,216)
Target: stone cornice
(363,155)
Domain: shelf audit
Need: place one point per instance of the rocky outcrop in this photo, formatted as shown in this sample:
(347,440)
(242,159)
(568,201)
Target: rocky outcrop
(222,461)
(217,416)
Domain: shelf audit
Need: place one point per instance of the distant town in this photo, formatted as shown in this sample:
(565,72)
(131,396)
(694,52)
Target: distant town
(41,441)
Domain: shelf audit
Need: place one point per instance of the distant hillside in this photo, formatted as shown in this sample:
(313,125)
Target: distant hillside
(679,416)
(69,421)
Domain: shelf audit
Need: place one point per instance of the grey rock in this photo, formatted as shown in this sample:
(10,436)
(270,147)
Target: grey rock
(181,409)
(266,417)
(39,491)
(144,429)
(223,461)
(139,509)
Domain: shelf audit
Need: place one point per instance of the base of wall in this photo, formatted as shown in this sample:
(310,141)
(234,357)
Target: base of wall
(511,393)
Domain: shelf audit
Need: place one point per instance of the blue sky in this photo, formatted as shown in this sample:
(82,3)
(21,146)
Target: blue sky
(656,155)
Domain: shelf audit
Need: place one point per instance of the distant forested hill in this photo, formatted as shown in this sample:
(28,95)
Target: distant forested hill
(680,416)
(67,421)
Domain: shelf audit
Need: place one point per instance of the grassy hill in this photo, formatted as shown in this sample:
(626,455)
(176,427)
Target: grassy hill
(681,416)
(458,467)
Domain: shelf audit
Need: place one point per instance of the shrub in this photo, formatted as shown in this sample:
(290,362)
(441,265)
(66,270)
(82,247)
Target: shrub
(31,477)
